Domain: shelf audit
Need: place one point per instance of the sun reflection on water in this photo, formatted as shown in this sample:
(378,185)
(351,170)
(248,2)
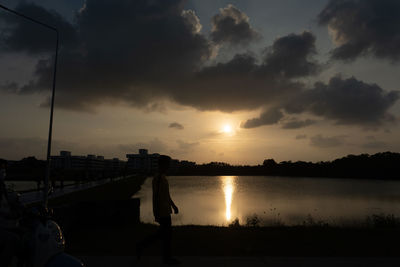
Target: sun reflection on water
(228,187)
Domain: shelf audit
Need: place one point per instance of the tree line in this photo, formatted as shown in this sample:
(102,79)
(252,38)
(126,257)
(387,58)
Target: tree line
(385,165)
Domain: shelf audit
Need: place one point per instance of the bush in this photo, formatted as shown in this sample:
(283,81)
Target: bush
(253,221)
(383,221)
(311,222)
(234,224)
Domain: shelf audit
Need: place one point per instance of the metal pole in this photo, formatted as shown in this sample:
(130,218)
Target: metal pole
(47,174)
(47,177)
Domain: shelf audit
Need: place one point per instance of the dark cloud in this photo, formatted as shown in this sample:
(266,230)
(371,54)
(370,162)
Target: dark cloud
(20,35)
(343,101)
(327,142)
(130,56)
(232,26)
(242,83)
(154,52)
(148,52)
(296,124)
(268,117)
(362,27)
(346,101)
(291,56)
(176,125)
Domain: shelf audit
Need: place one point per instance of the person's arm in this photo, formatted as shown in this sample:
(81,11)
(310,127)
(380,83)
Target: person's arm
(171,202)
(176,210)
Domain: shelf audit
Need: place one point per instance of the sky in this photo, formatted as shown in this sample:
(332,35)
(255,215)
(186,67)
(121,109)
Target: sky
(202,80)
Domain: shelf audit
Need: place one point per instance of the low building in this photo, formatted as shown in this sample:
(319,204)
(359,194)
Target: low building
(143,162)
(66,161)
(148,163)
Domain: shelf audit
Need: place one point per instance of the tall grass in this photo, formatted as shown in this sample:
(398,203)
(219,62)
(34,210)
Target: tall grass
(372,221)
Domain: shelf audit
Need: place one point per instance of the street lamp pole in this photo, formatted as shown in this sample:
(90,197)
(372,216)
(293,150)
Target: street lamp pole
(47,174)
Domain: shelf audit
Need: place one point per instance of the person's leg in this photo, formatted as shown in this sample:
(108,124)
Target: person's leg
(166,234)
(149,239)
(167,238)
(141,245)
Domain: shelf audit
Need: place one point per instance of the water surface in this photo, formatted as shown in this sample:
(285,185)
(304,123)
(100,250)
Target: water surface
(217,200)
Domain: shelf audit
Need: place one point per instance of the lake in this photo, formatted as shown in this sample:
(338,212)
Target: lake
(217,200)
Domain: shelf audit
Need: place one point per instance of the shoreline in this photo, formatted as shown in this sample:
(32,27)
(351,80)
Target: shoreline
(243,241)
(288,176)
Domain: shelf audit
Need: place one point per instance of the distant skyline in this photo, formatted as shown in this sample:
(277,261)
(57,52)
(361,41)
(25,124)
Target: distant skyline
(230,81)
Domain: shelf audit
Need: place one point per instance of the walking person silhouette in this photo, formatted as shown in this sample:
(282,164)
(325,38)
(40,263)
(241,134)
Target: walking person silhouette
(162,209)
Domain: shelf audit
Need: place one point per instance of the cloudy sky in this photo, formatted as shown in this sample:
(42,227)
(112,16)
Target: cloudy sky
(232,81)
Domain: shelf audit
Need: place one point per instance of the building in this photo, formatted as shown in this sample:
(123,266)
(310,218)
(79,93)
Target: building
(148,163)
(65,161)
(95,163)
(143,162)
(90,163)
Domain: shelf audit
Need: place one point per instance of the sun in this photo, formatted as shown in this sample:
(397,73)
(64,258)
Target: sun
(227,129)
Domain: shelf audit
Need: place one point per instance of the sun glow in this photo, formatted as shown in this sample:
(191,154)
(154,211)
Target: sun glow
(227,129)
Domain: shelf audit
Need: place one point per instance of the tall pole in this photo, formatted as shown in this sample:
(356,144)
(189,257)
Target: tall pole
(47,174)
(53,92)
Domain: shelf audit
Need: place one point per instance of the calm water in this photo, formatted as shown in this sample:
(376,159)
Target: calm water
(217,200)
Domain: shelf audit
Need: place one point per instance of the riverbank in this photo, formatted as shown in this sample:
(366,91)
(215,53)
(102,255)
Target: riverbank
(241,241)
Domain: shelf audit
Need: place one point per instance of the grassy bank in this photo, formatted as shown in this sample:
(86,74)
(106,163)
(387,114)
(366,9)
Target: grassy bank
(242,241)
